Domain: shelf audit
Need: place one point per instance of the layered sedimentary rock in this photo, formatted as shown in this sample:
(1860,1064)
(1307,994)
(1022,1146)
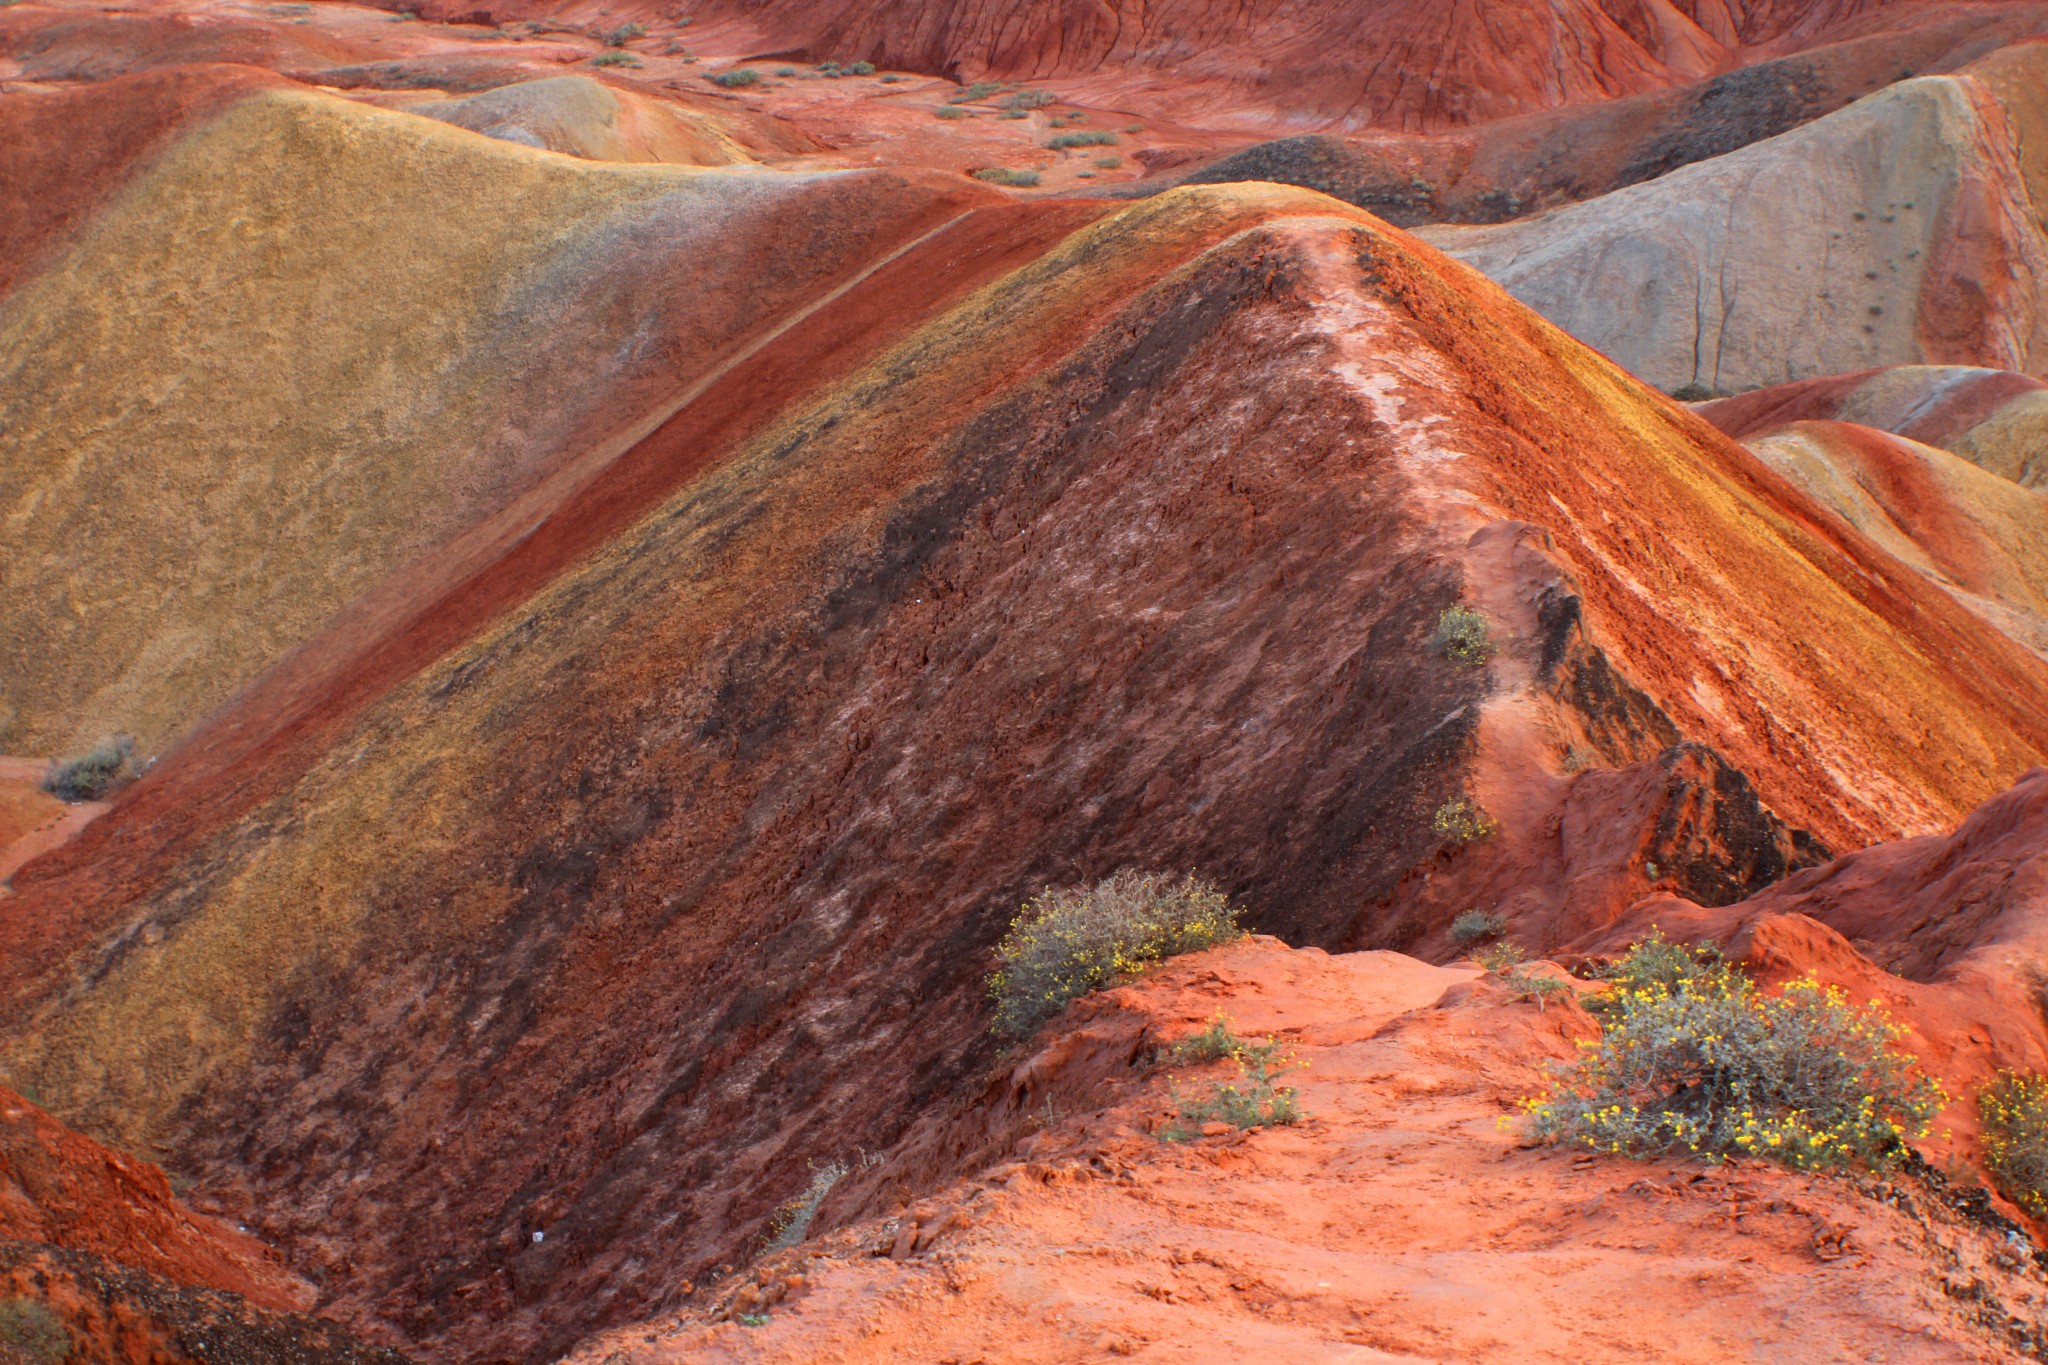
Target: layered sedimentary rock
(1510,167)
(636,866)
(346,337)
(1995,419)
(1906,228)
(1394,64)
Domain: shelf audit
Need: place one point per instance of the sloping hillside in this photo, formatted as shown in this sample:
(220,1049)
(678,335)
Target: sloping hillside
(691,860)
(1903,229)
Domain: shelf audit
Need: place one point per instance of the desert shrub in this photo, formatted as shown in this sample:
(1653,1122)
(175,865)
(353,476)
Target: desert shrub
(1462,821)
(1462,636)
(980,90)
(1653,961)
(35,1334)
(1212,1044)
(1025,100)
(1067,942)
(1003,175)
(1256,1100)
(1474,925)
(785,72)
(625,33)
(861,69)
(622,59)
(1696,392)
(732,80)
(948,111)
(94,773)
(1533,988)
(792,1222)
(2014,1109)
(1499,957)
(890,79)
(1715,1068)
(1108,163)
(1086,139)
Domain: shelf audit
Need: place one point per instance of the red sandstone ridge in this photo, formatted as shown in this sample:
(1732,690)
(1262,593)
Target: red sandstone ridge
(732,768)
(625,574)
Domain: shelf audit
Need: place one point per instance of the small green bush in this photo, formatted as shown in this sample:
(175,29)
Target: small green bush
(1003,175)
(93,774)
(792,1222)
(732,80)
(1654,962)
(1474,925)
(2013,1107)
(785,72)
(1026,100)
(1529,987)
(1067,942)
(36,1335)
(890,79)
(1499,958)
(1212,1044)
(1714,1068)
(1258,1101)
(861,69)
(1087,139)
(625,33)
(1462,821)
(1462,636)
(949,112)
(621,59)
(1108,163)
(980,90)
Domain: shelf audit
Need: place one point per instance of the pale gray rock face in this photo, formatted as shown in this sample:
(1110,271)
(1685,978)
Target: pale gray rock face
(572,114)
(1815,252)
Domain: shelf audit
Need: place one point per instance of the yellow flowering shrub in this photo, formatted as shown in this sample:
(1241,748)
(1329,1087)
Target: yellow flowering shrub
(1698,1061)
(1067,942)
(2014,1110)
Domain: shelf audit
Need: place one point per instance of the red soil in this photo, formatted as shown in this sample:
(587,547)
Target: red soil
(1403,1220)
(63,1189)
(1407,64)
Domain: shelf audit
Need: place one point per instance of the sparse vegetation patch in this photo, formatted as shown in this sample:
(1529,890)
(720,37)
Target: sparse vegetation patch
(1461,820)
(733,80)
(1067,942)
(2014,1110)
(1462,636)
(980,90)
(1003,175)
(1092,138)
(1474,925)
(1255,1100)
(622,59)
(94,773)
(625,33)
(1706,1065)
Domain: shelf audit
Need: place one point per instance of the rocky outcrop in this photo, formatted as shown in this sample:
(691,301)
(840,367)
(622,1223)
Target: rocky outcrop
(1903,229)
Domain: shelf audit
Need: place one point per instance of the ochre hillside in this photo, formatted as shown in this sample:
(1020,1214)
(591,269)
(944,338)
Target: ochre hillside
(574,574)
